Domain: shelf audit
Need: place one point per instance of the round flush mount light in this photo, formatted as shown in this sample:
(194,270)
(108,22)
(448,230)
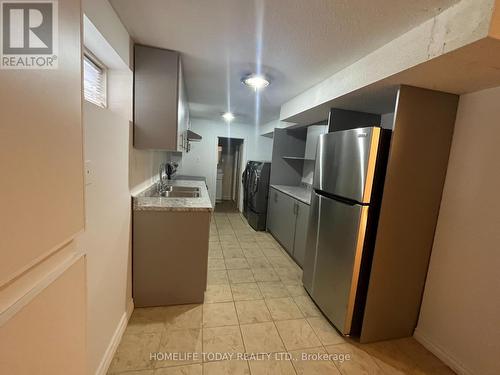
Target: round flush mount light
(255,81)
(228,116)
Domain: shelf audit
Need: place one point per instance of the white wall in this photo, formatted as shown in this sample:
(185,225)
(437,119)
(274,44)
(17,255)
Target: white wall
(463,23)
(460,316)
(117,169)
(267,129)
(202,159)
(144,166)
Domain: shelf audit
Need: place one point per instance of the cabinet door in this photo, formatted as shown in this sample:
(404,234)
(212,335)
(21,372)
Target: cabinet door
(282,218)
(183,111)
(299,248)
(156,84)
(272,211)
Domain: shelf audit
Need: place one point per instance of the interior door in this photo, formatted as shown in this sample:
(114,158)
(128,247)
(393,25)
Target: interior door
(339,248)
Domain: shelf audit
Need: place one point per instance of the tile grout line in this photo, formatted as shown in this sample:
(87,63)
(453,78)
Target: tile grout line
(282,281)
(285,280)
(239,327)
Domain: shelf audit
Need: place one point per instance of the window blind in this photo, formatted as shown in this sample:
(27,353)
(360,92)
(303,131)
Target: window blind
(94,82)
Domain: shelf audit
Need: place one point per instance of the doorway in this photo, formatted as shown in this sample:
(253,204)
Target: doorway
(228,185)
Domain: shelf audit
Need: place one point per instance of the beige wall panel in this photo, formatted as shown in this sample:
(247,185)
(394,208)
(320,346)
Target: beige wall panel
(47,337)
(460,312)
(413,187)
(41,153)
(495,21)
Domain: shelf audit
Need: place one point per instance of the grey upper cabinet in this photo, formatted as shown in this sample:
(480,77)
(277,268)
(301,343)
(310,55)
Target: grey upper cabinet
(160,108)
(281,218)
(287,220)
(302,222)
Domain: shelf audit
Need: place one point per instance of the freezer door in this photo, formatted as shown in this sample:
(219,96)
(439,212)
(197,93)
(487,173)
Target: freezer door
(340,239)
(345,163)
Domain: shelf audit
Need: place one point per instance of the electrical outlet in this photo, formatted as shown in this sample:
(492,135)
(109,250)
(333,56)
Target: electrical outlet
(89,172)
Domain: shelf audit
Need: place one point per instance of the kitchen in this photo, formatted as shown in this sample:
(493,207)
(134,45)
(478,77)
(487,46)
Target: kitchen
(307,181)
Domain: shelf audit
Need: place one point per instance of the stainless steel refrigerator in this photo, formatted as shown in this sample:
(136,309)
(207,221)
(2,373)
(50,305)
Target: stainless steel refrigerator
(347,189)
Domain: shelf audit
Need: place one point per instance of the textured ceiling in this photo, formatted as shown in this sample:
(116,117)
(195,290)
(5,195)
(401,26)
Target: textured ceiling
(298,43)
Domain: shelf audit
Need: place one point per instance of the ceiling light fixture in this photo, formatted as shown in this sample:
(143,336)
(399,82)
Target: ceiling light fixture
(228,116)
(255,81)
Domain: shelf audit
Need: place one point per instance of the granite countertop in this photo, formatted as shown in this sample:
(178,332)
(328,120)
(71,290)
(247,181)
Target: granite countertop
(141,201)
(301,192)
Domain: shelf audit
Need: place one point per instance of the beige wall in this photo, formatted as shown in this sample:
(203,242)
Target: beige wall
(460,315)
(107,232)
(41,154)
(47,336)
(116,170)
(104,17)
(42,274)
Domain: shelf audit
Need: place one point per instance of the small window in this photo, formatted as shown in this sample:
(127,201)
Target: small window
(94,81)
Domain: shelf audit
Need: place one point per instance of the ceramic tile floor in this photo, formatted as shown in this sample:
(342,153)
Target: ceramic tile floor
(255,303)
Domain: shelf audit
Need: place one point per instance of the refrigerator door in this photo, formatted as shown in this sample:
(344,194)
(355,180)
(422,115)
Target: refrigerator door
(309,266)
(339,247)
(345,163)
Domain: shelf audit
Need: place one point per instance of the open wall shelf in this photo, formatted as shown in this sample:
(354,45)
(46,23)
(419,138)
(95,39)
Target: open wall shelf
(297,158)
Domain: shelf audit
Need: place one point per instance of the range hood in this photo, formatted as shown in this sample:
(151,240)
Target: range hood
(192,136)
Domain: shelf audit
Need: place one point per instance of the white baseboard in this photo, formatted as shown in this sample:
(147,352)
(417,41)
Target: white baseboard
(130,308)
(115,340)
(441,353)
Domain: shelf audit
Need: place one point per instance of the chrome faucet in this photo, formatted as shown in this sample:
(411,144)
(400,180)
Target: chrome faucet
(162,173)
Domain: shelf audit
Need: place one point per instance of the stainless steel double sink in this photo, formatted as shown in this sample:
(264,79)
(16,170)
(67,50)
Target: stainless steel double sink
(170,191)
